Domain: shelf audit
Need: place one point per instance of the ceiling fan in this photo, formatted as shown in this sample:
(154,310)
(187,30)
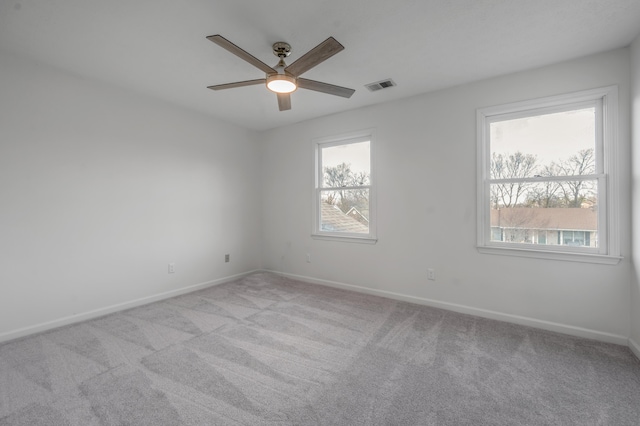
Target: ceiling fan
(284,79)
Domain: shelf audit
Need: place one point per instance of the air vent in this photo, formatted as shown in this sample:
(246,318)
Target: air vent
(379,85)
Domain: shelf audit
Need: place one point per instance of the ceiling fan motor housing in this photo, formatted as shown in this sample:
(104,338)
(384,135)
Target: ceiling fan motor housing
(281,49)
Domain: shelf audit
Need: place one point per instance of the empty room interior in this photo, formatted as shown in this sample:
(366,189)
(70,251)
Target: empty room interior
(320,212)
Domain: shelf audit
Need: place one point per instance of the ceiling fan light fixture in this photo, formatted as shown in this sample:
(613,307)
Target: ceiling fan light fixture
(281,83)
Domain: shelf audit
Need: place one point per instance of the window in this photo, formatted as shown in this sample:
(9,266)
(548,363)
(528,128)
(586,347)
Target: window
(343,194)
(546,178)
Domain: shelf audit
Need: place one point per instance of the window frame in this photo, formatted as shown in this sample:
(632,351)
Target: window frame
(606,176)
(318,178)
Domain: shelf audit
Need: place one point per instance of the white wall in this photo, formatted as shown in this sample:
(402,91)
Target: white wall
(635,282)
(102,188)
(426,164)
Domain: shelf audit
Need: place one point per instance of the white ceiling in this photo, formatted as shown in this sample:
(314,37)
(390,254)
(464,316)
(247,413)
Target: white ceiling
(158,47)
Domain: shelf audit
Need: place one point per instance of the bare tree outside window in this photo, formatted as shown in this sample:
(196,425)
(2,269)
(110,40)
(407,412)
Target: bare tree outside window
(507,166)
(578,191)
(341,176)
(546,194)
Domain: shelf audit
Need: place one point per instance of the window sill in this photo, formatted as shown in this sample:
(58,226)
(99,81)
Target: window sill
(552,255)
(345,239)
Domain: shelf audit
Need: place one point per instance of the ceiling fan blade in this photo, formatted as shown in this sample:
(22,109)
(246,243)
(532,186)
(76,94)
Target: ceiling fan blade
(318,86)
(318,54)
(237,84)
(226,44)
(284,101)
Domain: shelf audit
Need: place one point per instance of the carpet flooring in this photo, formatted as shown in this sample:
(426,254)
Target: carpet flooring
(268,350)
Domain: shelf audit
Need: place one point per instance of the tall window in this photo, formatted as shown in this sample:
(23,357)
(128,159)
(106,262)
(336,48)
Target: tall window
(343,197)
(547,177)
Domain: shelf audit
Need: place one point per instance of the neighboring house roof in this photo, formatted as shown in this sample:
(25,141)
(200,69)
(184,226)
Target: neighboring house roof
(545,218)
(333,219)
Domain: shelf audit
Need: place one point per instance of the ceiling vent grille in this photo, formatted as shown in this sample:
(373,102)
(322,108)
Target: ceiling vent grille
(379,85)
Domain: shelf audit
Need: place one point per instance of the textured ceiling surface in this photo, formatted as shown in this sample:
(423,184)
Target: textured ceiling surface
(158,47)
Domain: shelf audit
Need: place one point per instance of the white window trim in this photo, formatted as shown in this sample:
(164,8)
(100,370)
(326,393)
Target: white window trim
(316,232)
(609,222)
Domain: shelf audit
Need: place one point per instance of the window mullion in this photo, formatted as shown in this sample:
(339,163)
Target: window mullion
(344,188)
(548,179)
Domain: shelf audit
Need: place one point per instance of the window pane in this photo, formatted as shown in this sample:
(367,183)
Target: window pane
(345,211)
(550,213)
(570,194)
(346,165)
(558,144)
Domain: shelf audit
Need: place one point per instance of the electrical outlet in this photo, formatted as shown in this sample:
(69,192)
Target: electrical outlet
(227,258)
(431,274)
(172,268)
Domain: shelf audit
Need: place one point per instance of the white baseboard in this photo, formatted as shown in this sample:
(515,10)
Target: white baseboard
(484,313)
(39,328)
(516,319)
(635,348)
